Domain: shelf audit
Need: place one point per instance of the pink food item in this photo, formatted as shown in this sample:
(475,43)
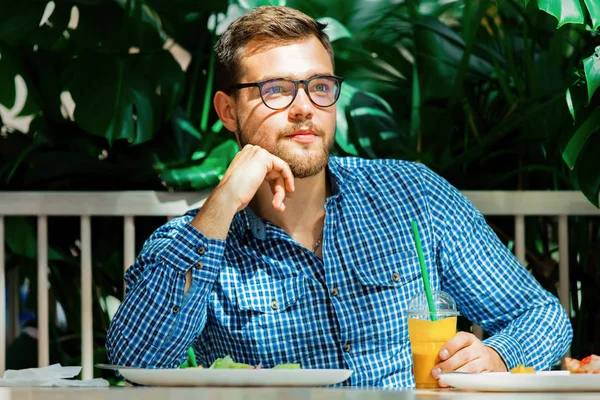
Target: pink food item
(589,365)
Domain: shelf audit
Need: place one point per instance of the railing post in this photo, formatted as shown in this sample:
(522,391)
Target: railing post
(2,300)
(563,264)
(87,344)
(42,292)
(129,242)
(520,238)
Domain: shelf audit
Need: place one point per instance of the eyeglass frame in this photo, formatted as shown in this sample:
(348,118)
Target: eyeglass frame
(296,83)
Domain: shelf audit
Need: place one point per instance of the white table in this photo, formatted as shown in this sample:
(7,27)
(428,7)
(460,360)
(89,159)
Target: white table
(144,393)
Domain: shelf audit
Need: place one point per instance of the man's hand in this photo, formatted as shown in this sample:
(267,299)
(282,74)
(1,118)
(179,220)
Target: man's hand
(465,353)
(252,166)
(249,169)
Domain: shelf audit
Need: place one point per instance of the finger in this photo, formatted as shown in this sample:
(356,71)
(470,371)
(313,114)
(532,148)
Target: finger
(459,359)
(442,384)
(284,169)
(472,366)
(459,341)
(275,177)
(278,194)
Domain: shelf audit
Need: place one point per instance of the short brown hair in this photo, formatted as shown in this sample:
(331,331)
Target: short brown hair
(271,26)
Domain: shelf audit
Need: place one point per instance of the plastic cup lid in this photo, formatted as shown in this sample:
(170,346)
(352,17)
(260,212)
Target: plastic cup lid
(445,306)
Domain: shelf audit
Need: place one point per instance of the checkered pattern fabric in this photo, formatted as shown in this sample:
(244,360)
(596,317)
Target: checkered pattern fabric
(260,297)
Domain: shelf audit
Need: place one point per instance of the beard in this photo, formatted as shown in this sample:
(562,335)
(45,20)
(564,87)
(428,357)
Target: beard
(303,164)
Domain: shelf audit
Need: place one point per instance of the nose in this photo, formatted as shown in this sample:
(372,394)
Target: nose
(301,108)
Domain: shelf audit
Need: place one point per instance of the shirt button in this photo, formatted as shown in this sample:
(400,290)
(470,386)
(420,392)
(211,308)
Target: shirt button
(347,348)
(274,305)
(201,250)
(396,277)
(175,310)
(199,265)
(334,292)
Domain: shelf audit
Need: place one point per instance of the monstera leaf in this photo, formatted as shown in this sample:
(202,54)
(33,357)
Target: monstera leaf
(587,130)
(570,11)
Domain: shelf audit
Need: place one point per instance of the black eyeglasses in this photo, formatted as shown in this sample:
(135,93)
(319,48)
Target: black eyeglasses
(279,93)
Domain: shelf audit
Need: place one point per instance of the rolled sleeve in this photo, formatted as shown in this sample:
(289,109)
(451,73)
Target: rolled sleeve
(508,348)
(156,322)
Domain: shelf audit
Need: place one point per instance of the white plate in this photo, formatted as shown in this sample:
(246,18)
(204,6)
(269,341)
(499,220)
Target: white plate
(235,377)
(543,381)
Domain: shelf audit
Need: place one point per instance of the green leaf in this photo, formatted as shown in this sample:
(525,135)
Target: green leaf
(591,67)
(439,54)
(163,72)
(570,103)
(9,68)
(565,11)
(364,123)
(21,238)
(587,171)
(19,18)
(205,175)
(335,29)
(579,138)
(53,34)
(121,105)
(594,10)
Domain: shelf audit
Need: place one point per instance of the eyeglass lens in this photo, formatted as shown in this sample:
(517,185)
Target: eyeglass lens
(281,92)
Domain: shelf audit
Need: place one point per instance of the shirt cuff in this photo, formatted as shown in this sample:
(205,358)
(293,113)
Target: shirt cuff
(190,248)
(509,349)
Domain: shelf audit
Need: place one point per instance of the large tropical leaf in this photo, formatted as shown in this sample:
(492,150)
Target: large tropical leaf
(577,142)
(591,67)
(205,175)
(18,19)
(121,107)
(10,69)
(565,11)
(587,171)
(571,11)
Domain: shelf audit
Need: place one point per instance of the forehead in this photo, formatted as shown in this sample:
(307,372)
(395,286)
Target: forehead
(298,60)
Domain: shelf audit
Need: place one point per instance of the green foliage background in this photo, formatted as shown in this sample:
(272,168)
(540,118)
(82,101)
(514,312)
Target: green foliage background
(490,94)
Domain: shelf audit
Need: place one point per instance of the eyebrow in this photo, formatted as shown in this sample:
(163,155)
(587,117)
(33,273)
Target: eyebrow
(293,76)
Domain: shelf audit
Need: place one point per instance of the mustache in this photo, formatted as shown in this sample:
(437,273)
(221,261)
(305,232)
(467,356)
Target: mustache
(288,130)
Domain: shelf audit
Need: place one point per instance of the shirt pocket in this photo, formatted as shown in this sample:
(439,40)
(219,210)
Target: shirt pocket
(271,312)
(389,270)
(266,295)
(387,284)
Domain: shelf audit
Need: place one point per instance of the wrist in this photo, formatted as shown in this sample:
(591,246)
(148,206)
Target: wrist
(215,216)
(497,361)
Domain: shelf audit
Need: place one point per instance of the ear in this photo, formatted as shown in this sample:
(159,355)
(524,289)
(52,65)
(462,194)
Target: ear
(225,107)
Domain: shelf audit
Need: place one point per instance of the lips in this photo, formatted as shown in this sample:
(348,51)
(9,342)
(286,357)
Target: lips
(303,136)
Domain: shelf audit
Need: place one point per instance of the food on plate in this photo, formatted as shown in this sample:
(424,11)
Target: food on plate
(287,366)
(522,369)
(227,362)
(589,365)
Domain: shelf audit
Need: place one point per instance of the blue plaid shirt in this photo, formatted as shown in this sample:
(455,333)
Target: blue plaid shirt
(260,297)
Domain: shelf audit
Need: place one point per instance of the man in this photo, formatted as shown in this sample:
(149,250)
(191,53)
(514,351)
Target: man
(297,256)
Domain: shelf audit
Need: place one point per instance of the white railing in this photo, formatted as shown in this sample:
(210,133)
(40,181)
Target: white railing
(143,203)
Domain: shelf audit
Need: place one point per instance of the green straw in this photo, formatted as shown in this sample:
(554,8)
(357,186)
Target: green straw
(424,274)
(192,357)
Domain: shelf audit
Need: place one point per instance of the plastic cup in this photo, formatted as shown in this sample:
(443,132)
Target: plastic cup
(426,336)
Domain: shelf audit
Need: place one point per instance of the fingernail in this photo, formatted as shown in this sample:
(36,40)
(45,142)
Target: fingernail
(444,354)
(436,373)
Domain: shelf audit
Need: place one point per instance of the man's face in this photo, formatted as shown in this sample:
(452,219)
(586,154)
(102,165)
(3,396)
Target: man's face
(302,134)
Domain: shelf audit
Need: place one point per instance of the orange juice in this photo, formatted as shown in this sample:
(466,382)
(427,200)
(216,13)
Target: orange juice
(427,338)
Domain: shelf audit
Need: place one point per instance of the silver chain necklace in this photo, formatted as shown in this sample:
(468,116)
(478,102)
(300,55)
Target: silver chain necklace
(319,241)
